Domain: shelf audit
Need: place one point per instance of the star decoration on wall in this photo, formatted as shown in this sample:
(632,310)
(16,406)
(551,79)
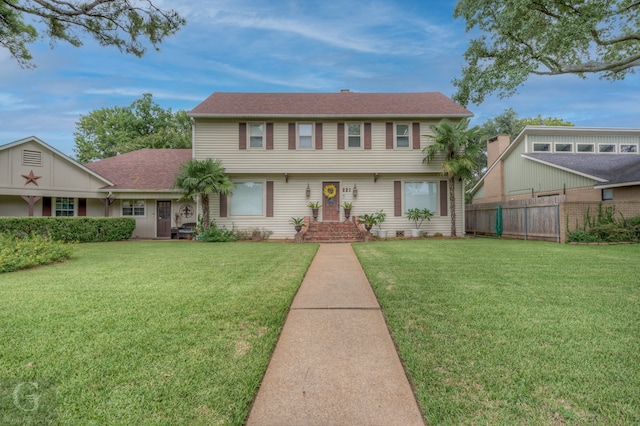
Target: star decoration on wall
(31,177)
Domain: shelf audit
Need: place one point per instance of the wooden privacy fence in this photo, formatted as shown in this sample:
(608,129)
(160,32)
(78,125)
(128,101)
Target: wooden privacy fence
(531,219)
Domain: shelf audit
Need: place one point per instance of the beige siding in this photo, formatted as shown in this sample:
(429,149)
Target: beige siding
(219,140)
(290,200)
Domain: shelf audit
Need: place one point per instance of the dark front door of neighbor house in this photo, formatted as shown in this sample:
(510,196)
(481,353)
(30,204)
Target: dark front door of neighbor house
(330,201)
(164,219)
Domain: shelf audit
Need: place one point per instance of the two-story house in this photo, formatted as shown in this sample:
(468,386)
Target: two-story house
(284,150)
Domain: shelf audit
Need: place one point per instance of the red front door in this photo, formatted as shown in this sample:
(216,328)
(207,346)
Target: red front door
(164,219)
(330,204)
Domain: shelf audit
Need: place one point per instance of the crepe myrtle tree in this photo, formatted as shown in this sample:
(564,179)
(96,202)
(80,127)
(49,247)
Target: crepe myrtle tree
(200,179)
(124,24)
(460,146)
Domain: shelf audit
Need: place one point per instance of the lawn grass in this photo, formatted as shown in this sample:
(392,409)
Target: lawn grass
(514,332)
(150,332)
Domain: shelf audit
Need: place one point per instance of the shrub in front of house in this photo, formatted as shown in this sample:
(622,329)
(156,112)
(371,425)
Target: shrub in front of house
(604,227)
(71,229)
(217,235)
(31,250)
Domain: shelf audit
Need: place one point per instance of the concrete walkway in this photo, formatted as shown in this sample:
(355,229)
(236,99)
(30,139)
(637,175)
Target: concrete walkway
(335,362)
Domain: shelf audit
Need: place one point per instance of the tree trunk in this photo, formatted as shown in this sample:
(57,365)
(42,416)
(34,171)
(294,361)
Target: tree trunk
(204,198)
(452,204)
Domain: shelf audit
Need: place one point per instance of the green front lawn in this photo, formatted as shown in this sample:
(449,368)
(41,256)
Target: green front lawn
(148,332)
(514,332)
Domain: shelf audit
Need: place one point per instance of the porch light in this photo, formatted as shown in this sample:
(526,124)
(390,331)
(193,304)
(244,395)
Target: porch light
(355,190)
(308,191)
(286,177)
(375,177)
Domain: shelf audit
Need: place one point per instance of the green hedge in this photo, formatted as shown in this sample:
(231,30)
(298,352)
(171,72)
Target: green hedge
(70,229)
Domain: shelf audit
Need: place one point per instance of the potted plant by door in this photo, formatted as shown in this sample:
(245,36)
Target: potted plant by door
(315,208)
(418,216)
(347,206)
(369,220)
(297,222)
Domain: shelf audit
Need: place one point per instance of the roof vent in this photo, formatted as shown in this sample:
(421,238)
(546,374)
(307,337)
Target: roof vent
(345,90)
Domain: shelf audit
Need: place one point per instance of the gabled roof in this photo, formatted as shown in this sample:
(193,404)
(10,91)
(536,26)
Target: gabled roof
(343,104)
(609,169)
(59,154)
(142,170)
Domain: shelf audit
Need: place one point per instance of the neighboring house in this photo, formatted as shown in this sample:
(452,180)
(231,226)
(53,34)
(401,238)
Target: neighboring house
(584,164)
(284,150)
(38,180)
(549,178)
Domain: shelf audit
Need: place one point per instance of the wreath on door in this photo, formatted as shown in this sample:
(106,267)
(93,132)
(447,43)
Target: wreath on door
(330,191)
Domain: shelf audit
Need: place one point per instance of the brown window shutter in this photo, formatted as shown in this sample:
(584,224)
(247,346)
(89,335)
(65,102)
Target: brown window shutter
(292,135)
(269,198)
(82,206)
(46,206)
(269,135)
(367,135)
(444,196)
(389,135)
(242,133)
(340,135)
(415,134)
(223,205)
(397,198)
(318,135)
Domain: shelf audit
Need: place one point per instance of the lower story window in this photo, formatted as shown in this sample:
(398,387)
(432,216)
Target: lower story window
(133,208)
(248,199)
(421,195)
(65,206)
(607,194)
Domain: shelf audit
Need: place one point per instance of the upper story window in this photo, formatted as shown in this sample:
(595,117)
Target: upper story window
(541,147)
(564,147)
(606,147)
(402,136)
(256,135)
(133,207)
(354,135)
(65,206)
(305,135)
(629,148)
(585,147)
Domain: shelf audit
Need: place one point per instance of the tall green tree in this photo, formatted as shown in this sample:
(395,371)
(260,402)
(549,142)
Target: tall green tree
(458,145)
(107,132)
(545,37)
(124,24)
(198,179)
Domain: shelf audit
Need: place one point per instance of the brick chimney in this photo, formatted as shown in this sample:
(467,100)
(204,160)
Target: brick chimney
(496,146)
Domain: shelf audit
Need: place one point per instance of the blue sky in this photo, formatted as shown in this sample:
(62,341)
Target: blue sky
(283,46)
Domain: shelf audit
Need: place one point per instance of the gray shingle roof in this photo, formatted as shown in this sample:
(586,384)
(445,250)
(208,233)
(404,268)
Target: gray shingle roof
(612,168)
(418,104)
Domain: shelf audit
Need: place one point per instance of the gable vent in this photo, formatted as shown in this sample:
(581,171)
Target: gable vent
(31,158)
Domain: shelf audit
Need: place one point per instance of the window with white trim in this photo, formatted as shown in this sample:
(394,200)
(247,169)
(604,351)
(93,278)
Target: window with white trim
(305,135)
(585,147)
(564,147)
(247,199)
(541,147)
(606,147)
(354,135)
(65,206)
(402,136)
(628,148)
(256,135)
(133,208)
(421,195)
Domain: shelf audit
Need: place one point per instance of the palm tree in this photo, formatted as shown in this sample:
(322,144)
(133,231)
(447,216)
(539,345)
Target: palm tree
(201,178)
(460,148)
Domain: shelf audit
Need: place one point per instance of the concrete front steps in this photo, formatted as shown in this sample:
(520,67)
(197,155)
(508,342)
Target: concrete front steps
(332,232)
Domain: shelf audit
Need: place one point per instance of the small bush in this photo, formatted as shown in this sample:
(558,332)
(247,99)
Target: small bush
(71,229)
(217,235)
(603,227)
(252,234)
(32,250)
